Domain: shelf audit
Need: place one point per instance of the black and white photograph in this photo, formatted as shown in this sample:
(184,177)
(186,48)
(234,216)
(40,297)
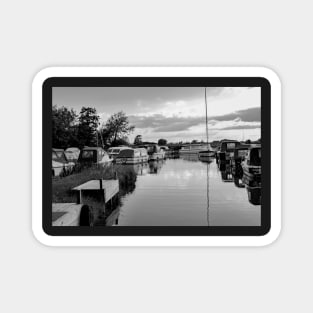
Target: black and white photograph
(156,156)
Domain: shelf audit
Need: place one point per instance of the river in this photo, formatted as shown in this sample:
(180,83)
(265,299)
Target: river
(182,192)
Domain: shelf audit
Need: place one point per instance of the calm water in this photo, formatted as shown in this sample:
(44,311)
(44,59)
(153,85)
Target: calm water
(180,192)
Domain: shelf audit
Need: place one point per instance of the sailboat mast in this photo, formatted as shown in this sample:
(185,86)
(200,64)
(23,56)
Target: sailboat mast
(206,119)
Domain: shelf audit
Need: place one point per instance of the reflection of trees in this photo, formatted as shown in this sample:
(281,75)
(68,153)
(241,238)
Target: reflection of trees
(127,176)
(227,174)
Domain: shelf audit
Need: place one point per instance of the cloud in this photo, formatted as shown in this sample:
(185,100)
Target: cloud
(248,115)
(241,127)
(161,123)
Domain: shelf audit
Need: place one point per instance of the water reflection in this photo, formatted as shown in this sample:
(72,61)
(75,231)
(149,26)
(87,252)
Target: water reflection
(227,174)
(252,183)
(155,166)
(181,191)
(206,159)
(254,195)
(190,157)
(238,182)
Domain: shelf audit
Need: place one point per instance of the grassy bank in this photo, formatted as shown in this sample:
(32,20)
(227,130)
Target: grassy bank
(62,187)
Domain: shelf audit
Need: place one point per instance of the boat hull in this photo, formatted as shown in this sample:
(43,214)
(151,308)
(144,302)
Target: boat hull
(134,160)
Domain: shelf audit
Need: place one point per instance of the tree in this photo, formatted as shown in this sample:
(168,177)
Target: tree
(87,127)
(116,127)
(138,140)
(122,141)
(162,142)
(64,128)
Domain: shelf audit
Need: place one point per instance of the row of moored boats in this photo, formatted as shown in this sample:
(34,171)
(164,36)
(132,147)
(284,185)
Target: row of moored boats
(64,161)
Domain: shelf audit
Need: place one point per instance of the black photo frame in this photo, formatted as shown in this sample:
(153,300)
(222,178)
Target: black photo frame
(261,82)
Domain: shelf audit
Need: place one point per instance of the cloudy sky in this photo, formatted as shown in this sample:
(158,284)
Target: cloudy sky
(173,113)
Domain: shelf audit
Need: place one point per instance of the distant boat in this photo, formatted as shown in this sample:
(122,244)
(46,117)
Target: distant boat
(193,149)
(132,156)
(208,153)
(155,152)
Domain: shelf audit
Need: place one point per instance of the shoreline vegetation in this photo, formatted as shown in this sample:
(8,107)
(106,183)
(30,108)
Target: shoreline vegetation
(63,193)
(62,186)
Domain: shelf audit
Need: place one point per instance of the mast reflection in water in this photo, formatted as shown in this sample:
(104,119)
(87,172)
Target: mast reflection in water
(181,192)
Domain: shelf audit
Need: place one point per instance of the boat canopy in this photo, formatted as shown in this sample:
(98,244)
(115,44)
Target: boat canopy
(72,149)
(59,155)
(229,145)
(129,153)
(91,155)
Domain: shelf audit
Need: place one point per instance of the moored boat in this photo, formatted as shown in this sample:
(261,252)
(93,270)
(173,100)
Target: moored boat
(226,151)
(72,154)
(193,149)
(206,154)
(60,164)
(93,156)
(132,156)
(239,155)
(251,167)
(155,153)
(114,151)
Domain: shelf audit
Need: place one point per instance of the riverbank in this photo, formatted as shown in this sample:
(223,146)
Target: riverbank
(62,187)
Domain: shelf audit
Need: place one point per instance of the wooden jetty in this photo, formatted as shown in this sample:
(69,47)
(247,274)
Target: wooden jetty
(107,189)
(80,213)
(70,214)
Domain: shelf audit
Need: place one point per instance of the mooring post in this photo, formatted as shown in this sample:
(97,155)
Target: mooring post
(102,190)
(79,196)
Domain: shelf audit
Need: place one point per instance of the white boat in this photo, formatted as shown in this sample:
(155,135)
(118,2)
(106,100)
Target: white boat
(132,156)
(193,149)
(155,153)
(72,154)
(114,151)
(60,164)
(208,153)
(92,156)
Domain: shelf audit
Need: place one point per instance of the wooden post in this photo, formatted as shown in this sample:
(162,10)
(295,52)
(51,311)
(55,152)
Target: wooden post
(102,190)
(79,197)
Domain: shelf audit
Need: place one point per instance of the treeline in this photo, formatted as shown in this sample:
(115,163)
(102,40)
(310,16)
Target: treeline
(70,129)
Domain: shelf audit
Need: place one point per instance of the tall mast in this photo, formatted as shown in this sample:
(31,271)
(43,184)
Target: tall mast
(207,166)
(206,120)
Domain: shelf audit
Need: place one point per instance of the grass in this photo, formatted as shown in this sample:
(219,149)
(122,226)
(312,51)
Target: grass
(62,187)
